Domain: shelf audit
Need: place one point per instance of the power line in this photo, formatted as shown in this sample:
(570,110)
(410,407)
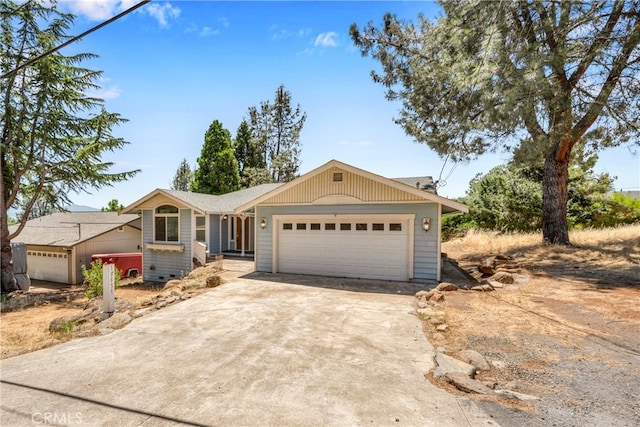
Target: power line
(73,39)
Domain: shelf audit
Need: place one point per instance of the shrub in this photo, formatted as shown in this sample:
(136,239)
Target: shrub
(93,277)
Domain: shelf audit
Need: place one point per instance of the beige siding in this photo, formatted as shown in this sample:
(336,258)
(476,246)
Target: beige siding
(352,185)
(114,241)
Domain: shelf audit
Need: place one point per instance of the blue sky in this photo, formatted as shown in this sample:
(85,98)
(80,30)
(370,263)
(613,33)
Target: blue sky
(171,68)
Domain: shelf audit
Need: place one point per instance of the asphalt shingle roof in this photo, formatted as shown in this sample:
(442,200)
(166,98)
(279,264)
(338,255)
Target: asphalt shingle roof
(70,228)
(224,203)
(421,182)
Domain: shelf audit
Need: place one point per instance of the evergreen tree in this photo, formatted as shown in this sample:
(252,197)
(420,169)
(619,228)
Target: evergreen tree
(250,160)
(52,134)
(113,206)
(486,73)
(217,171)
(275,130)
(183,178)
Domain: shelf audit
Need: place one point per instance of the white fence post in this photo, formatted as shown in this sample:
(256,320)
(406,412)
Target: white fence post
(108,290)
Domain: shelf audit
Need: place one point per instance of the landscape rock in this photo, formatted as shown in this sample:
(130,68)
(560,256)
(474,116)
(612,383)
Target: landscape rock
(509,394)
(466,384)
(474,358)
(503,277)
(446,287)
(213,281)
(442,328)
(486,269)
(447,364)
(483,288)
(421,294)
(116,321)
(173,284)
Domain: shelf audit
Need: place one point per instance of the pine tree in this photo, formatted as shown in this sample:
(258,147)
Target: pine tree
(217,171)
(183,177)
(275,131)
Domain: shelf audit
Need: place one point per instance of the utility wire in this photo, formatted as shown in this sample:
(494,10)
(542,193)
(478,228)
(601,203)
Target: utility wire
(73,39)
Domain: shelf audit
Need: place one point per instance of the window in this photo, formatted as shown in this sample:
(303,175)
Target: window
(301,226)
(166,223)
(201,227)
(329,226)
(287,226)
(395,227)
(377,227)
(315,226)
(345,227)
(361,226)
(337,177)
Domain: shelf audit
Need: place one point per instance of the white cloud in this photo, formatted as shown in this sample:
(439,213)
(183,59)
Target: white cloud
(105,93)
(224,22)
(278,33)
(208,31)
(100,10)
(162,12)
(326,39)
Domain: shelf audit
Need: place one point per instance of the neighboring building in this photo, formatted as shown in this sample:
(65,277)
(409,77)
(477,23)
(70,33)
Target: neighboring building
(58,245)
(336,220)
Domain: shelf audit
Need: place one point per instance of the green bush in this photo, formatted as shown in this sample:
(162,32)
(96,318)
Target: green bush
(93,277)
(456,226)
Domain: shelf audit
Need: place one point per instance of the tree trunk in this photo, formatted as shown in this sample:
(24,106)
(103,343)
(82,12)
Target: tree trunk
(8,280)
(555,180)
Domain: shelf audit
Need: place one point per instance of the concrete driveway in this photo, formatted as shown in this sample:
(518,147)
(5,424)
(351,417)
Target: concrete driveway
(263,349)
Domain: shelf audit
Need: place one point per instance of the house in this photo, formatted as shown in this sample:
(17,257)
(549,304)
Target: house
(58,245)
(336,220)
(180,226)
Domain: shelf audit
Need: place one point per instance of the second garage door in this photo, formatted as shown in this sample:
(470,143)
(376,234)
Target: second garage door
(371,247)
(51,266)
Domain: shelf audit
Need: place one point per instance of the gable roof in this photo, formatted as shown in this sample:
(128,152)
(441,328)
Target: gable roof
(71,228)
(207,203)
(448,205)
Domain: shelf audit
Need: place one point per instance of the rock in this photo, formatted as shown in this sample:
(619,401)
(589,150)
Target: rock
(466,384)
(503,277)
(495,285)
(486,269)
(172,299)
(446,287)
(421,294)
(448,364)
(482,288)
(438,337)
(175,283)
(423,304)
(497,364)
(213,281)
(509,394)
(116,321)
(425,313)
(491,384)
(512,385)
(105,331)
(143,311)
(435,321)
(474,358)
(442,328)
(64,323)
(436,296)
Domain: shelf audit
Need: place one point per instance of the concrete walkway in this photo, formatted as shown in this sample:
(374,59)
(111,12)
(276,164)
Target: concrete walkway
(255,351)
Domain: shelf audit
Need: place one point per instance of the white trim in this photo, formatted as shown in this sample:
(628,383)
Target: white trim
(172,215)
(377,178)
(408,218)
(165,247)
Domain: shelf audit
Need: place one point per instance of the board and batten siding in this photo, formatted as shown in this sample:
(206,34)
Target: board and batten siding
(214,234)
(426,244)
(161,266)
(358,186)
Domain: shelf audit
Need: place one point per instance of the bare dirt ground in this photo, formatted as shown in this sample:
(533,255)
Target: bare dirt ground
(567,331)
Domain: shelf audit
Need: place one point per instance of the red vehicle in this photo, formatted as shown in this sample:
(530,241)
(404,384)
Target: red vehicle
(129,264)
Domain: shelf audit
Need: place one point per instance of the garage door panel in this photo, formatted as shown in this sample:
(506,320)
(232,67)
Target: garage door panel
(349,253)
(48,266)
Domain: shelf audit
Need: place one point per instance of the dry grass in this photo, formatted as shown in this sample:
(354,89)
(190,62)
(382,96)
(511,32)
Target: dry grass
(621,241)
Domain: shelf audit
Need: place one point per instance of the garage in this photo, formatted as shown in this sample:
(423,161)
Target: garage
(368,247)
(46,265)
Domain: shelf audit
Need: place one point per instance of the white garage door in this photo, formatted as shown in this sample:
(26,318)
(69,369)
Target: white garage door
(375,247)
(52,266)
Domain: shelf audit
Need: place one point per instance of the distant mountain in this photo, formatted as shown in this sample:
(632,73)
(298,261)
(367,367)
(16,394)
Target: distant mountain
(80,208)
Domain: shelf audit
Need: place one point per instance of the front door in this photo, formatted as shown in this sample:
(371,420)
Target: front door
(242,244)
